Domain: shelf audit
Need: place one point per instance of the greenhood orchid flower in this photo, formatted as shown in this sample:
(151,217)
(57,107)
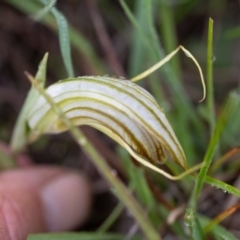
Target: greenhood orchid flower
(124,111)
(119,108)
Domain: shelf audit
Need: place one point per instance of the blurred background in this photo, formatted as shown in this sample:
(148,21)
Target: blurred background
(104,42)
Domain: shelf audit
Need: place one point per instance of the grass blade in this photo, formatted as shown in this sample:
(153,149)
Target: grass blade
(64,41)
(230,137)
(139,186)
(191,221)
(218,231)
(210,90)
(63,38)
(138,51)
(48,7)
(20,129)
(111,218)
(222,185)
(226,111)
(77,236)
(169,33)
(76,38)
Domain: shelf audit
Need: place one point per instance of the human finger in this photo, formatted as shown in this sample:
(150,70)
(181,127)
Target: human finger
(37,199)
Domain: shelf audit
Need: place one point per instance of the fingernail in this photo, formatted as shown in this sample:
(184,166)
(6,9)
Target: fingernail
(66,202)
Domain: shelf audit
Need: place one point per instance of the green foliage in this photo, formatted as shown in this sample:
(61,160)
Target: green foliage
(191,221)
(77,236)
(145,50)
(63,34)
(227,111)
(48,7)
(21,127)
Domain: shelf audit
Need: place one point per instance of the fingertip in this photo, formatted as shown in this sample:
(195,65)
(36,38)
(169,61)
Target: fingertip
(38,199)
(66,202)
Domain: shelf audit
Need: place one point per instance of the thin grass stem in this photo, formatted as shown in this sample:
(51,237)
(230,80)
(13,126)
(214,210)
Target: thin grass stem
(210,90)
(168,30)
(48,7)
(111,218)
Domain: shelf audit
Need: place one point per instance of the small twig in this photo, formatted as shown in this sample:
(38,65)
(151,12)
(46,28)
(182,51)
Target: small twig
(221,217)
(223,159)
(157,194)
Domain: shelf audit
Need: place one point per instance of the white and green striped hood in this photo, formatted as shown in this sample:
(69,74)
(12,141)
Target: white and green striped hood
(119,108)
